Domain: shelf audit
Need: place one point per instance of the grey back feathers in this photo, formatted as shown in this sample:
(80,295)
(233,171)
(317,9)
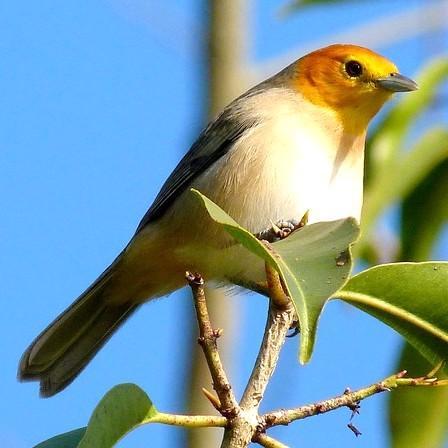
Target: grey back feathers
(214,142)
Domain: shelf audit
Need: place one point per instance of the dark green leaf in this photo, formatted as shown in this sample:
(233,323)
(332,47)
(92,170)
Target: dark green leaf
(67,440)
(418,416)
(412,298)
(314,263)
(424,213)
(123,408)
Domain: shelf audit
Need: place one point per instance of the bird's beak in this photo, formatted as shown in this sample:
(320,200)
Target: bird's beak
(397,83)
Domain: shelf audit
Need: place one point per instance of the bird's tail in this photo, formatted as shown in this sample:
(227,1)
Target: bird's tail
(65,347)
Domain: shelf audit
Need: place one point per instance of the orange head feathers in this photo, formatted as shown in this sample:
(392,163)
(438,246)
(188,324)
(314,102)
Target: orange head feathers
(352,81)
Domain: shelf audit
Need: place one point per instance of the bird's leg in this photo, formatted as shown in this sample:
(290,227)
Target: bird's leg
(281,229)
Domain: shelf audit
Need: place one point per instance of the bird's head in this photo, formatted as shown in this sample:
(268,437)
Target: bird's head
(352,81)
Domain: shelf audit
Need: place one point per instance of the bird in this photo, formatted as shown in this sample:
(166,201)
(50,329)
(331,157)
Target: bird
(291,146)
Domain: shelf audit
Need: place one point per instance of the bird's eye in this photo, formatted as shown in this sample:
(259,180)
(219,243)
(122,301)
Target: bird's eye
(353,69)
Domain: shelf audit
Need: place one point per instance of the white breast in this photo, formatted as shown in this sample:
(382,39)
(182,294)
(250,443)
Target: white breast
(297,160)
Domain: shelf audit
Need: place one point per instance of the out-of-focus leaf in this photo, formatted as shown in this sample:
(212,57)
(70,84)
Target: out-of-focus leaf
(313,263)
(412,298)
(418,416)
(403,174)
(298,4)
(122,409)
(386,141)
(424,212)
(387,160)
(69,439)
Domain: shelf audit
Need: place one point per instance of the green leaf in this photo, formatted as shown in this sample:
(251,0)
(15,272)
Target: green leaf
(412,298)
(418,416)
(317,258)
(123,408)
(313,263)
(69,439)
(424,213)
(428,152)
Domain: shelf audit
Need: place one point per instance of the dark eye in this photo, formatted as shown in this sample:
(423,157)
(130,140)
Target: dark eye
(353,69)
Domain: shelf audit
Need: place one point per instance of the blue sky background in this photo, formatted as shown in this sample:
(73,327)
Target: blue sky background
(99,100)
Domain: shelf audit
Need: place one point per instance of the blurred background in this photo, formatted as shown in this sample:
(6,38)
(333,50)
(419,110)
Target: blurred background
(100,99)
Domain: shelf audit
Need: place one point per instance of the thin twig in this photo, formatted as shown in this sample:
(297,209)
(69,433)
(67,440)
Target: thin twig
(207,340)
(283,417)
(212,398)
(348,399)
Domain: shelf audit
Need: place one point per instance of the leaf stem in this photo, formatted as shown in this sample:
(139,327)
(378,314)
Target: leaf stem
(267,442)
(188,421)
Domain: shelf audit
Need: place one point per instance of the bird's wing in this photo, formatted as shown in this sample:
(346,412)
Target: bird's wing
(214,142)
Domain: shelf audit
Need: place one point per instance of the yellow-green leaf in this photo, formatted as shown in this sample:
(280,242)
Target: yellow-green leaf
(403,174)
(123,408)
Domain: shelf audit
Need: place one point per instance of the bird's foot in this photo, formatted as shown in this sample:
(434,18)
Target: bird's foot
(281,229)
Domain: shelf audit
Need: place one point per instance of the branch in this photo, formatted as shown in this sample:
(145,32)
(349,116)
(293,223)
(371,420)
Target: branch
(241,421)
(348,399)
(281,314)
(280,318)
(207,340)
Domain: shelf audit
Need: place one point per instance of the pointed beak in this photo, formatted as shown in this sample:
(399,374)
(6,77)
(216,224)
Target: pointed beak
(397,83)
